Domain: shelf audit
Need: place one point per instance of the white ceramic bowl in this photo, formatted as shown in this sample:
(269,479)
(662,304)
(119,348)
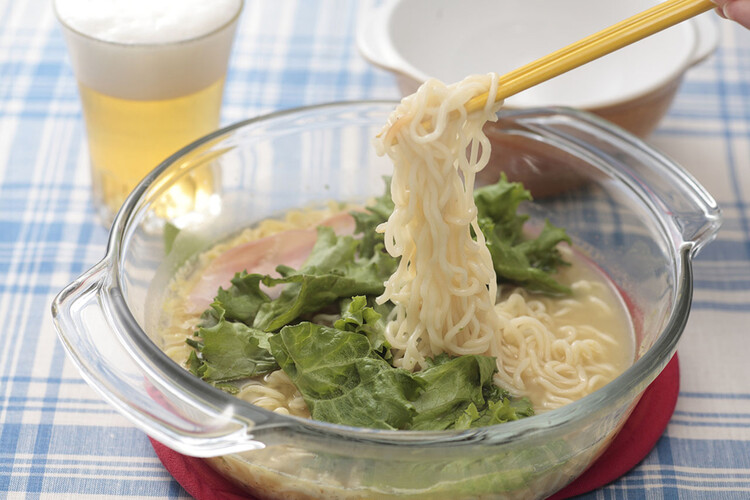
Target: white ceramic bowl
(448,40)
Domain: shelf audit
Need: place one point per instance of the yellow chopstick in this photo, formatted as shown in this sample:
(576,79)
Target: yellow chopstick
(592,47)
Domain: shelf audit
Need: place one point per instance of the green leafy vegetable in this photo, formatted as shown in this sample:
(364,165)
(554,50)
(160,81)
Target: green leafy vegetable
(230,351)
(366,221)
(496,412)
(513,264)
(499,202)
(357,317)
(244,298)
(450,386)
(528,262)
(542,252)
(342,379)
(490,472)
(332,272)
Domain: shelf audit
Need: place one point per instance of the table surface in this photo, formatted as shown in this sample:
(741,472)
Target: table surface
(59,439)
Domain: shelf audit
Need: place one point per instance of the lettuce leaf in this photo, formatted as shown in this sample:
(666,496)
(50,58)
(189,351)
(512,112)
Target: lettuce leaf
(233,338)
(450,386)
(229,351)
(542,251)
(529,262)
(345,381)
(499,203)
(332,272)
(342,380)
(366,221)
(512,263)
(243,299)
(357,316)
(496,412)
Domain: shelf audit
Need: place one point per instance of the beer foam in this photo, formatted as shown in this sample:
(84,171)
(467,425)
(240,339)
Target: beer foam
(146,21)
(148,49)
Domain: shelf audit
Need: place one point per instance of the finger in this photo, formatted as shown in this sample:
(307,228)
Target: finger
(720,7)
(738,11)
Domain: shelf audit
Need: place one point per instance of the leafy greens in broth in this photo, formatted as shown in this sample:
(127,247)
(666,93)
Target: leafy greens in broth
(342,368)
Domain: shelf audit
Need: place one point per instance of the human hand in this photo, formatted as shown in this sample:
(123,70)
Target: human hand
(736,10)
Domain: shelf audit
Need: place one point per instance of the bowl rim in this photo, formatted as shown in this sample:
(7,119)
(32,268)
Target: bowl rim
(632,381)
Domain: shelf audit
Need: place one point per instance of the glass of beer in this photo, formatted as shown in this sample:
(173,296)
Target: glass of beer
(151,77)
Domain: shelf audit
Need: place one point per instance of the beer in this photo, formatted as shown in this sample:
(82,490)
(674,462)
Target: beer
(151,78)
(127,138)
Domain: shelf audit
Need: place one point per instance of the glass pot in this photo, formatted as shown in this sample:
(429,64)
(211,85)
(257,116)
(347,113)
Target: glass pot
(638,215)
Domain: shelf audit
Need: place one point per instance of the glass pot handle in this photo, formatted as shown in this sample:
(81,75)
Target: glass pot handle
(672,191)
(189,425)
(659,181)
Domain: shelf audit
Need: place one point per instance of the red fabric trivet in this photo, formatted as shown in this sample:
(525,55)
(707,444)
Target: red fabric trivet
(637,437)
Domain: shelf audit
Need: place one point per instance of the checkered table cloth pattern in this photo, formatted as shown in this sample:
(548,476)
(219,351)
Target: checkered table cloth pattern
(58,439)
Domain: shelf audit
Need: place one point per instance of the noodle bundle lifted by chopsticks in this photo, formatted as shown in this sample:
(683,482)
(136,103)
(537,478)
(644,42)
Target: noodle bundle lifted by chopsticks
(444,288)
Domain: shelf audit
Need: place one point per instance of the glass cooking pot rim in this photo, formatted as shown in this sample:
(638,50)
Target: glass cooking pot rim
(155,362)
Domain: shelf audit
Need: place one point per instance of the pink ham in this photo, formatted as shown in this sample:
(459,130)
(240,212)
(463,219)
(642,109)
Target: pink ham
(290,248)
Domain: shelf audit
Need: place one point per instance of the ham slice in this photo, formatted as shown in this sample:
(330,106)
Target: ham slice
(290,248)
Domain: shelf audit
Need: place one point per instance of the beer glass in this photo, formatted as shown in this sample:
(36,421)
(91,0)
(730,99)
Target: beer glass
(151,78)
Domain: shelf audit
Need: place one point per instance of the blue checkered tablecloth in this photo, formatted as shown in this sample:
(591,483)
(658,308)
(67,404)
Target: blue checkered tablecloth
(59,439)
